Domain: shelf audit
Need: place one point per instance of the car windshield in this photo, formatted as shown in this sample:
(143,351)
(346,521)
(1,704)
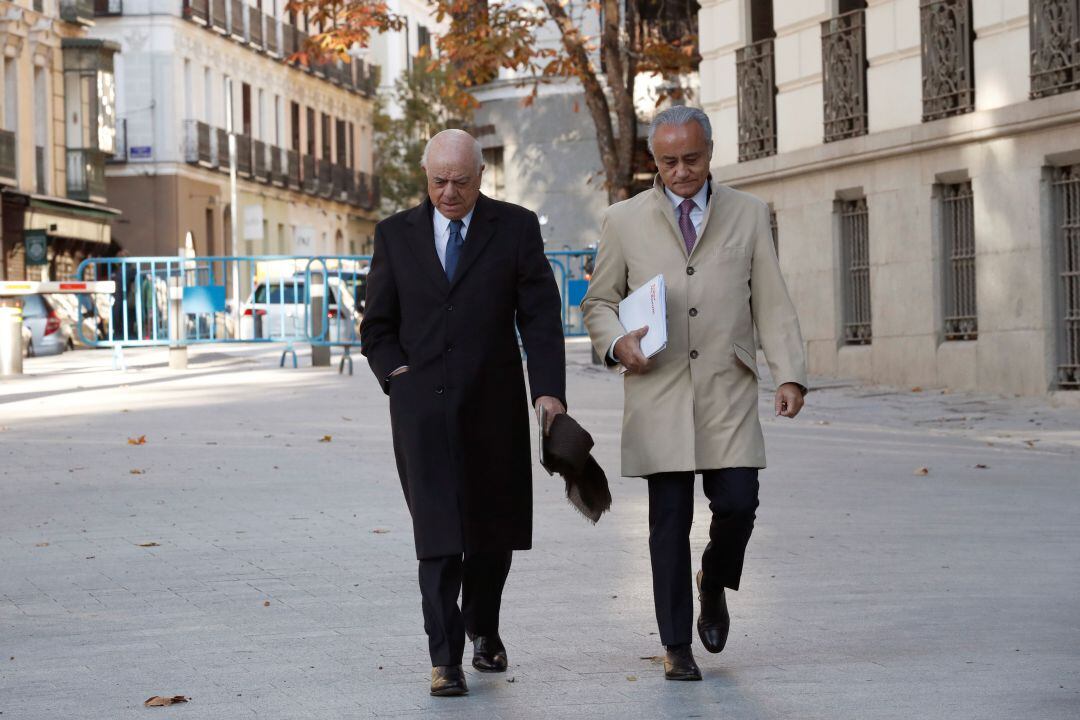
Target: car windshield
(286,292)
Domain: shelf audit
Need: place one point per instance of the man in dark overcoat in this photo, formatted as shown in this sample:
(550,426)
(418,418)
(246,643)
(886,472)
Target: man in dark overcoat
(450,281)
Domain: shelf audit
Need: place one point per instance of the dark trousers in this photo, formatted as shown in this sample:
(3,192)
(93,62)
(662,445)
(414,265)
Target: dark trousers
(733,498)
(479,578)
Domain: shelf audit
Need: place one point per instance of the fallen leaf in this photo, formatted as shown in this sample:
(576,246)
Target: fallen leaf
(980,466)
(159,701)
(327,438)
(917,388)
(652,658)
(923,471)
(266,603)
(91,557)
(511,679)
(823,422)
(141,440)
(149,544)
(632,678)
(380,531)
(346,419)
(1030,443)
(136,471)
(42,545)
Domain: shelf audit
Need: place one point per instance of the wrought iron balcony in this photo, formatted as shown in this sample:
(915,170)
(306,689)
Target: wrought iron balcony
(7,158)
(292,169)
(86,175)
(843,55)
(255,27)
(1055,47)
(326,186)
(271,33)
(236,20)
(219,16)
(948,80)
(310,179)
(222,149)
(197,11)
(104,8)
(197,144)
(243,155)
(337,179)
(757,100)
(289,40)
(277,167)
(77,11)
(261,161)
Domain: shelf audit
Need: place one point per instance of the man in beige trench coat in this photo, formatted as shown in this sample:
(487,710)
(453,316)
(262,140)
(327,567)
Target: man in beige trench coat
(693,408)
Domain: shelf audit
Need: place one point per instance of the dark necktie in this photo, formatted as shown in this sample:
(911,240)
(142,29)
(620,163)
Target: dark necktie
(453,248)
(686,225)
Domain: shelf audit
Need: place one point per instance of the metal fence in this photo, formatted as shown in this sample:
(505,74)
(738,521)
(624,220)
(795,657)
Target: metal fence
(1066,191)
(958,232)
(855,247)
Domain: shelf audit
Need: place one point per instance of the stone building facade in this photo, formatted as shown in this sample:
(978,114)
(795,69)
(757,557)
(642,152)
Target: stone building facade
(57,125)
(922,159)
(304,133)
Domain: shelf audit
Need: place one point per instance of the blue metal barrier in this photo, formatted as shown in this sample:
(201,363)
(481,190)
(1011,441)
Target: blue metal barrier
(265,298)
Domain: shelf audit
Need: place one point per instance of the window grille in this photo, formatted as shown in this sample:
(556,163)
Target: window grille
(948,80)
(1066,190)
(1055,46)
(855,245)
(843,51)
(958,232)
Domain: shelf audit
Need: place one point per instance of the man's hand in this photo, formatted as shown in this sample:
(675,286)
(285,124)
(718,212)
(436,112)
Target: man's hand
(789,400)
(553,406)
(628,351)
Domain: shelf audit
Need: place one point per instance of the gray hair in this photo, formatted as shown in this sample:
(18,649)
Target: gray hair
(478,151)
(681,115)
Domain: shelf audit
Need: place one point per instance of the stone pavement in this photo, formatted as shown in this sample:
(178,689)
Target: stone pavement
(237,558)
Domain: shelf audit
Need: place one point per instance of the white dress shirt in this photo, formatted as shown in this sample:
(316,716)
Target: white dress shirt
(697,214)
(442,232)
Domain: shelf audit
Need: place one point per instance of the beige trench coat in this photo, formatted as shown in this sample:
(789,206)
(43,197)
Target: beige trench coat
(696,409)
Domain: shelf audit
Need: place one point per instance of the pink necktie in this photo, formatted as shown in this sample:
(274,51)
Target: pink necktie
(689,235)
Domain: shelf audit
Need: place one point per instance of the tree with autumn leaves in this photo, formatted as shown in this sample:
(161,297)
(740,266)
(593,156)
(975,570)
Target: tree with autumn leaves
(634,39)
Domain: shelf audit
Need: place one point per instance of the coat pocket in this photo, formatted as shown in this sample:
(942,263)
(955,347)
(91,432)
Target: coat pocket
(747,358)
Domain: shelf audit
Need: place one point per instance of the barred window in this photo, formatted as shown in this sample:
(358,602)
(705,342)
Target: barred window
(948,70)
(855,254)
(1066,202)
(756,77)
(958,233)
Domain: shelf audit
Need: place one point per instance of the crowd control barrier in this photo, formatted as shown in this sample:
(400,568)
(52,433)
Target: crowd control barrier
(316,300)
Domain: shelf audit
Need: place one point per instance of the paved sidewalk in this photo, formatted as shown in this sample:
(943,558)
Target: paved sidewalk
(237,559)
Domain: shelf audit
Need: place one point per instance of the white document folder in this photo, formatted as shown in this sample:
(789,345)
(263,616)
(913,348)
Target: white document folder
(647,306)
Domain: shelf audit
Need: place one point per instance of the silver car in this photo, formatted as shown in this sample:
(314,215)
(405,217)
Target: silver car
(47,333)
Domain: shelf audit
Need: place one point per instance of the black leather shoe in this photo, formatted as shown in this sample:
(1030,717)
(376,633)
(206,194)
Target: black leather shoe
(489,654)
(714,622)
(448,680)
(679,663)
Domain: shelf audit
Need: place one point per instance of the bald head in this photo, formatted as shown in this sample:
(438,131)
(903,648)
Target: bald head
(453,163)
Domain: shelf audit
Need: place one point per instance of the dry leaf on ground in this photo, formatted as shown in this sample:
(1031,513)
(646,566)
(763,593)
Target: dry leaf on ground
(44,544)
(136,471)
(380,531)
(149,544)
(980,466)
(1030,443)
(632,678)
(159,701)
(266,603)
(917,388)
(141,440)
(326,438)
(923,471)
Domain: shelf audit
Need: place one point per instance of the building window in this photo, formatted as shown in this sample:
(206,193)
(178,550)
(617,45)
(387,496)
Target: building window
(756,75)
(855,255)
(492,184)
(42,125)
(90,111)
(1055,46)
(947,58)
(423,37)
(958,234)
(1066,202)
(843,55)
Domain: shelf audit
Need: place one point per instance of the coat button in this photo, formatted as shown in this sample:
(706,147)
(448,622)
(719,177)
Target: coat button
(449,348)
(439,390)
(693,354)
(690,270)
(449,308)
(693,312)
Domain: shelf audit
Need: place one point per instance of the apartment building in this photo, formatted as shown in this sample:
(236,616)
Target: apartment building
(922,159)
(304,132)
(57,124)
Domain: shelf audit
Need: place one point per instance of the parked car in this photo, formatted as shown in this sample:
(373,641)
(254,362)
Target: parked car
(277,309)
(47,333)
(87,309)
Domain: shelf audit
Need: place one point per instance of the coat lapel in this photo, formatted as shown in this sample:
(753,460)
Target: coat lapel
(422,244)
(663,206)
(476,237)
(710,210)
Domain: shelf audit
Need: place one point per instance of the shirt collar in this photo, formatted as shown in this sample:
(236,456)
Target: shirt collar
(442,222)
(700,199)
